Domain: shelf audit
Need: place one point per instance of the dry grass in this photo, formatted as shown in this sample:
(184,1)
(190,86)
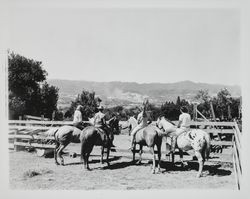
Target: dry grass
(28,171)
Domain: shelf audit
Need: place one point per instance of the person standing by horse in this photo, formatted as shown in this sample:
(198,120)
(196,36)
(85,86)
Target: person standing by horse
(77,121)
(143,119)
(183,126)
(100,122)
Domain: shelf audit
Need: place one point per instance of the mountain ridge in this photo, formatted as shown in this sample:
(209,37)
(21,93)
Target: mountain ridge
(124,93)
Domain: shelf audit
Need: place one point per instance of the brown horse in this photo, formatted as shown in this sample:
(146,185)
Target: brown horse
(148,136)
(88,137)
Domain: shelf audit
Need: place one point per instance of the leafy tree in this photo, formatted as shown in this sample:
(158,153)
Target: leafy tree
(89,102)
(28,89)
(223,102)
(49,97)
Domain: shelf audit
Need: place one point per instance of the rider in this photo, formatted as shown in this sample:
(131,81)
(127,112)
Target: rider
(100,122)
(77,121)
(183,126)
(143,120)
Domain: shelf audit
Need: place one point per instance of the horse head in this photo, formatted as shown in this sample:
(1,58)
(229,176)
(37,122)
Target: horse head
(113,123)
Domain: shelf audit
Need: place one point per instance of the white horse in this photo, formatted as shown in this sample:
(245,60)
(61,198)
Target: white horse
(195,139)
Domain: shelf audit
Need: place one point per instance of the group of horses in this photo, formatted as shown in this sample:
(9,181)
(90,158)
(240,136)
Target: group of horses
(150,136)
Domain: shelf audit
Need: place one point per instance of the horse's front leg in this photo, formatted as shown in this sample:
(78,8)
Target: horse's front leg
(159,157)
(107,157)
(153,153)
(183,164)
(201,163)
(102,152)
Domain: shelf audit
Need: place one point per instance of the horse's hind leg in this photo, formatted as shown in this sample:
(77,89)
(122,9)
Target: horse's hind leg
(140,155)
(153,153)
(59,152)
(201,162)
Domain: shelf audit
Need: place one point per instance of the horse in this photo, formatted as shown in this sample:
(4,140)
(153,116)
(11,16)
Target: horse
(195,139)
(148,136)
(88,137)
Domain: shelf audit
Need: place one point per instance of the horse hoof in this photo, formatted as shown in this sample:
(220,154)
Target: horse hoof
(153,171)
(198,175)
(138,162)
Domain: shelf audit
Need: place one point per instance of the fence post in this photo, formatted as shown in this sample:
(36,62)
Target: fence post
(16,147)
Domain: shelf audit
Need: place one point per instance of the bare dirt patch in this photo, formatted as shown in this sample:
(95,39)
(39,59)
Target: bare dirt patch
(28,171)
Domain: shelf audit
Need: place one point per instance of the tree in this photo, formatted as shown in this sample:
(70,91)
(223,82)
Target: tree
(88,101)
(49,98)
(223,103)
(28,91)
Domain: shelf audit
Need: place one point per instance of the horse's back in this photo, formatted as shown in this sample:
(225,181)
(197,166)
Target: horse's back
(147,135)
(67,134)
(193,139)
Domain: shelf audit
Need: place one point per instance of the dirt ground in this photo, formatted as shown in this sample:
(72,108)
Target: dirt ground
(28,171)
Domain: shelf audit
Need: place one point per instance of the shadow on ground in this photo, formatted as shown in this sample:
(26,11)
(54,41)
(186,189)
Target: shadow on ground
(213,170)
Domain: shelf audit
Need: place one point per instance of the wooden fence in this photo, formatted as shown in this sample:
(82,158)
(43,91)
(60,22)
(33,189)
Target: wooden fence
(237,154)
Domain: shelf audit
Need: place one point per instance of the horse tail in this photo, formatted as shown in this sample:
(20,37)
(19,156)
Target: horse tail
(207,149)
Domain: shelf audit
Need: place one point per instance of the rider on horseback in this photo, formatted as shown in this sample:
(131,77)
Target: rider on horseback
(100,122)
(143,120)
(183,126)
(77,121)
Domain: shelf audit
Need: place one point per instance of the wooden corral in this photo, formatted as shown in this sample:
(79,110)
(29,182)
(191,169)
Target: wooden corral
(30,135)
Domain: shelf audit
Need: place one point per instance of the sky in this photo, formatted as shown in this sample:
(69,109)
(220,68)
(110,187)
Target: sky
(132,44)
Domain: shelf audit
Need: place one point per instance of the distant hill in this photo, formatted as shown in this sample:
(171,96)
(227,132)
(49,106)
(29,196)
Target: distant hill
(129,93)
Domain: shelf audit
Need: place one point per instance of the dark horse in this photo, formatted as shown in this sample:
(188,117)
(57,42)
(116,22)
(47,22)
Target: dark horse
(148,136)
(89,137)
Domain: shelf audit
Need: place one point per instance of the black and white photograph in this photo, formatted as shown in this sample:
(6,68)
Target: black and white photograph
(124,96)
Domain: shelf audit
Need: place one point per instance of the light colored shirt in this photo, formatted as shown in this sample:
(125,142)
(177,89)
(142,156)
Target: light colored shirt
(185,119)
(143,119)
(99,119)
(77,116)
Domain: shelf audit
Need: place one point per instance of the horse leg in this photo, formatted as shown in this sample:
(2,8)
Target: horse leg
(134,148)
(201,162)
(87,161)
(107,158)
(159,156)
(55,152)
(181,159)
(172,154)
(140,155)
(153,153)
(102,152)
(59,153)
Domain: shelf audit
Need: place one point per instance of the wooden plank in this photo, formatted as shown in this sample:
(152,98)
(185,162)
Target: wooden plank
(194,123)
(237,180)
(31,137)
(40,122)
(222,143)
(220,131)
(237,139)
(25,128)
(36,145)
